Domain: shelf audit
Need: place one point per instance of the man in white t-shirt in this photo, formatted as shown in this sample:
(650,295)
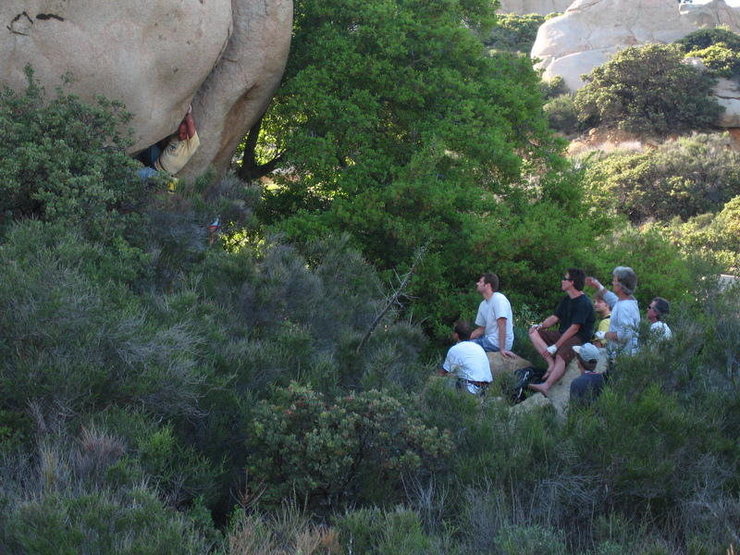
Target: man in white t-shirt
(495,321)
(468,361)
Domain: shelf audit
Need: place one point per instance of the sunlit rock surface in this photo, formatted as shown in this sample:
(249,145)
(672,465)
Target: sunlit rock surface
(156,56)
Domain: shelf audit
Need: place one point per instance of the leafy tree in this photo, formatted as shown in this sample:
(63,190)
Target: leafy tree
(648,90)
(395,125)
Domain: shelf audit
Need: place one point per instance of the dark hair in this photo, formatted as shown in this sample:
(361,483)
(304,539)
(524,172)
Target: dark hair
(463,329)
(578,277)
(492,279)
(662,307)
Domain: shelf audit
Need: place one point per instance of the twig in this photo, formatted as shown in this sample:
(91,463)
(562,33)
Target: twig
(393,300)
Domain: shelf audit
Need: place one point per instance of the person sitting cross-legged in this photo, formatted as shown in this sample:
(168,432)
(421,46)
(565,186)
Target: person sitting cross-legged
(467,360)
(575,318)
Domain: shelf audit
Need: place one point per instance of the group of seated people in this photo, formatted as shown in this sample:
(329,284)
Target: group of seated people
(572,331)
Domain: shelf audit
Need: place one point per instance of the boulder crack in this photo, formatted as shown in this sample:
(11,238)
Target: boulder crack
(46,16)
(17,24)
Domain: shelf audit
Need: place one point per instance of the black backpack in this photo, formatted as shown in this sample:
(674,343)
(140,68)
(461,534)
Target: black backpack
(524,377)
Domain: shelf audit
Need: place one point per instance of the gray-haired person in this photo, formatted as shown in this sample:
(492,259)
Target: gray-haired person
(622,336)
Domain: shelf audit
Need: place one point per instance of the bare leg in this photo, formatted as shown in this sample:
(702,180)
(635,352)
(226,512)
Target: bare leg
(556,373)
(541,346)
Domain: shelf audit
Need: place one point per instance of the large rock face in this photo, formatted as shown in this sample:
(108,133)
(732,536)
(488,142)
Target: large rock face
(591,31)
(225,57)
(542,7)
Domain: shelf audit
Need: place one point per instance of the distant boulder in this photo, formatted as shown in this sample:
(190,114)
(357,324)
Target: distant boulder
(542,7)
(225,57)
(592,31)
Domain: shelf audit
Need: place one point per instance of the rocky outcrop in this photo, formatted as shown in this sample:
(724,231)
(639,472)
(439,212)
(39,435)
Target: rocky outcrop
(225,57)
(542,7)
(728,96)
(591,31)
(558,397)
(505,365)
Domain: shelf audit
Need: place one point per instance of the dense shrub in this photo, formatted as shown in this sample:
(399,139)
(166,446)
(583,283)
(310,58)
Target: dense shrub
(376,531)
(681,178)
(62,160)
(354,449)
(73,343)
(66,497)
(554,87)
(647,90)
(704,38)
(515,33)
(720,60)
(714,235)
(562,114)
(286,530)
(132,521)
(660,268)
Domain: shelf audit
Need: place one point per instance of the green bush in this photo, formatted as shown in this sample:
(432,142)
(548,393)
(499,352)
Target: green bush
(287,530)
(354,449)
(681,178)
(714,235)
(154,452)
(63,160)
(130,521)
(377,531)
(721,60)
(531,540)
(649,91)
(562,114)
(514,33)
(554,87)
(73,343)
(704,38)
(660,268)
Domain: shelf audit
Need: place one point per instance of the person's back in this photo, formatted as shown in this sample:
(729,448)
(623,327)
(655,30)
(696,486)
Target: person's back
(467,360)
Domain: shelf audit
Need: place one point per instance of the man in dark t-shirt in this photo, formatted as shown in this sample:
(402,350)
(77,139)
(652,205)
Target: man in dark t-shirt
(575,318)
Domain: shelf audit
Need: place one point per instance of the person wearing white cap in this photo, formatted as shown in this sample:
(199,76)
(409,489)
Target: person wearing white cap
(589,384)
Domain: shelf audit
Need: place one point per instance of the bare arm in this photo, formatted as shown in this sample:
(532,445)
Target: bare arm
(477,332)
(501,323)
